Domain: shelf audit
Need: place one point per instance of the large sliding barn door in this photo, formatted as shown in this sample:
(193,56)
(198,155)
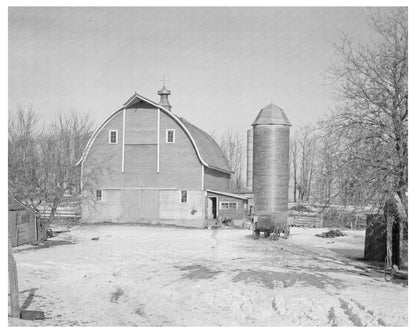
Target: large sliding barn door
(130,201)
(149,204)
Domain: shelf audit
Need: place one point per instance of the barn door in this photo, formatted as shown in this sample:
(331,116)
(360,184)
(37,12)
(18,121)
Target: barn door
(130,202)
(149,204)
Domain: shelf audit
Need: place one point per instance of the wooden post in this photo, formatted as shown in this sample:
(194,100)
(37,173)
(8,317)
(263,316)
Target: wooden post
(389,227)
(14,289)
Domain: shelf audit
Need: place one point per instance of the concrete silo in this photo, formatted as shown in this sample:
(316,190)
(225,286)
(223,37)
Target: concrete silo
(249,184)
(271,134)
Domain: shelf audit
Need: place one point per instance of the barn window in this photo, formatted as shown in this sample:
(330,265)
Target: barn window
(112,137)
(170,136)
(184,196)
(99,195)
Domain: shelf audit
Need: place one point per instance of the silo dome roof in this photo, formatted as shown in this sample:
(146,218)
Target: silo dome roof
(271,115)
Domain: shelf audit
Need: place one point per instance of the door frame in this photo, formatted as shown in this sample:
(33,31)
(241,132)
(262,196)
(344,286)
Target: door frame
(216,206)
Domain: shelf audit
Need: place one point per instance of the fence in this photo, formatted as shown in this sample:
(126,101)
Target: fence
(64,212)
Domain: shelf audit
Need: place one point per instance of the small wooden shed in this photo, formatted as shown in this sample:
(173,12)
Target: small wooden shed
(375,238)
(25,225)
(386,237)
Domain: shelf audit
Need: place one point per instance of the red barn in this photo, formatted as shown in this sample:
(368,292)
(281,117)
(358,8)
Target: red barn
(146,163)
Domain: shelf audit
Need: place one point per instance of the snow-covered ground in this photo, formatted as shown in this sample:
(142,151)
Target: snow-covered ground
(157,276)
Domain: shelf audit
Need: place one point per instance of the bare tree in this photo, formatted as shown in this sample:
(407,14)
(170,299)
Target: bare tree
(303,161)
(61,148)
(327,168)
(24,172)
(294,165)
(232,144)
(370,124)
(42,161)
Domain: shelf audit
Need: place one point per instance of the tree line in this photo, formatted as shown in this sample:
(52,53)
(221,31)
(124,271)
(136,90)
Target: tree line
(358,154)
(42,158)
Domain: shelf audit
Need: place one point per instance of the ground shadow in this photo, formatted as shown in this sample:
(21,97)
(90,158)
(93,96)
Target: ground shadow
(29,298)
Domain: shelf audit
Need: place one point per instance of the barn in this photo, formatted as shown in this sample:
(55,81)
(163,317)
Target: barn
(145,163)
(25,225)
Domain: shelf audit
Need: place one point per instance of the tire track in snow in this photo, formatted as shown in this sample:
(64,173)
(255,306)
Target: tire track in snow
(369,314)
(348,310)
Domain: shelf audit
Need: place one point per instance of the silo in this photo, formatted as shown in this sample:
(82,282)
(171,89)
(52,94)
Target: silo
(271,134)
(249,184)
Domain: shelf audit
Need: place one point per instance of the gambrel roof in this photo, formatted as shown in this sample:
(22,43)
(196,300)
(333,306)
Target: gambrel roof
(206,148)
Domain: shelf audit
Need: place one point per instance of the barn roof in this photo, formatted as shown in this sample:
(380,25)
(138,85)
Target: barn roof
(208,147)
(271,115)
(207,150)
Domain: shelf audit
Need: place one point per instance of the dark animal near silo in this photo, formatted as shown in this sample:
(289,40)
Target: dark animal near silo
(271,135)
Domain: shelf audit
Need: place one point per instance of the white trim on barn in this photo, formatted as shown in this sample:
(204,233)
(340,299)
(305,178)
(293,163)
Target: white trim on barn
(124,140)
(202,177)
(158,141)
(169,113)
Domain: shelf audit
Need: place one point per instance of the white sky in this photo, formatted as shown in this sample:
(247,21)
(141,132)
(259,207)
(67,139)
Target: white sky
(223,64)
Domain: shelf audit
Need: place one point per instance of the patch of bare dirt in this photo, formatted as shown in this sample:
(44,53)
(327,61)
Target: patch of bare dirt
(196,272)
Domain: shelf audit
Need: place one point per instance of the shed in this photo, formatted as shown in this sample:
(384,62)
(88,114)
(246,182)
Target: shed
(375,238)
(223,206)
(25,225)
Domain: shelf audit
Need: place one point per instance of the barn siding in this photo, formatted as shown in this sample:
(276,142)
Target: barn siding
(144,205)
(217,180)
(102,166)
(112,204)
(179,164)
(140,159)
(141,126)
(171,206)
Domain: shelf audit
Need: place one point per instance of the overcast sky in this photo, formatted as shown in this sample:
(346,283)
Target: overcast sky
(223,64)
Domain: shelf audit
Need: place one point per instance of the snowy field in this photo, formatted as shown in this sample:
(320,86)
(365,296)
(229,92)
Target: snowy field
(158,276)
